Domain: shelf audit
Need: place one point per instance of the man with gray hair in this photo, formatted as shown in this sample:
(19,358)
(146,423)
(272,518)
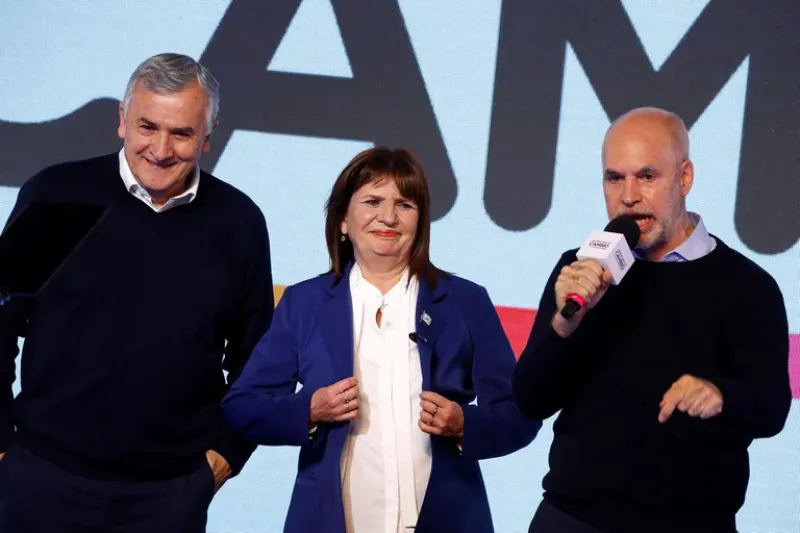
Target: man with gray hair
(118,425)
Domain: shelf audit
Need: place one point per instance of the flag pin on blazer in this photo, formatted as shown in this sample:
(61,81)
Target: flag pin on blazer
(426,318)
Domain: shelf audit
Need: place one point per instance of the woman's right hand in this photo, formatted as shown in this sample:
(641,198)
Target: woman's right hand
(335,403)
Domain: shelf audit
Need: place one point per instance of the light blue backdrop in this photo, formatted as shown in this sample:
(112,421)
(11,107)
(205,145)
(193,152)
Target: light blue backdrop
(51,65)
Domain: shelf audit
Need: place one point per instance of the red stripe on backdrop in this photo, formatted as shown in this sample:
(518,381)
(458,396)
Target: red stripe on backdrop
(517,325)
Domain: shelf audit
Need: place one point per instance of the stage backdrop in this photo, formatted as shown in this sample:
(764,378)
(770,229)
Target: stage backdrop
(505,103)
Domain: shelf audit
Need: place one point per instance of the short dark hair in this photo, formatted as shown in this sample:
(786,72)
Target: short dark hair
(376,165)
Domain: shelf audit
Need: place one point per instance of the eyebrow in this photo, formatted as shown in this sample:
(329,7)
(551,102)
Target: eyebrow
(610,173)
(649,169)
(183,131)
(401,200)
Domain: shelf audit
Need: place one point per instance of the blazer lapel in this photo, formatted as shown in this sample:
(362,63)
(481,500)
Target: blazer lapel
(335,320)
(429,322)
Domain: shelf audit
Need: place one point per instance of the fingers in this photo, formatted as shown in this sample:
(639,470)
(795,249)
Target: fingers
(432,397)
(690,398)
(346,406)
(589,268)
(345,401)
(667,408)
(711,410)
(347,416)
(427,418)
(706,403)
(572,280)
(348,394)
(440,416)
(430,430)
(434,419)
(434,408)
(585,278)
(335,402)
(693,396)
(429,407)
(343,385)
(670,401)
(581,286)
(432,415)
(430,403)
(694,401)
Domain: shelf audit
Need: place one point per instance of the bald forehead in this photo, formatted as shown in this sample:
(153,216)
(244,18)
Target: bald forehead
(656,125)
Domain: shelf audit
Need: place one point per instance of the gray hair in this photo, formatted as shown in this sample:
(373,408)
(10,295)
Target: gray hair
(169,73)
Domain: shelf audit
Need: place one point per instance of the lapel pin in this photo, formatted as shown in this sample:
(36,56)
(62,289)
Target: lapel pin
(426,318)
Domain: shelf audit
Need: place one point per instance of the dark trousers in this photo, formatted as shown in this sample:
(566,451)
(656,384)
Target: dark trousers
(38,497)
(548,519)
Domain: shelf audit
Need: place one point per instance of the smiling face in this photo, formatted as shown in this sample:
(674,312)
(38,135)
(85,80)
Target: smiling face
(164,136)
(380,222)
(647,176)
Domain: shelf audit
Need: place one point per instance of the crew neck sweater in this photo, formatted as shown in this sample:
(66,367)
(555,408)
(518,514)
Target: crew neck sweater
(122,366)
(612,464)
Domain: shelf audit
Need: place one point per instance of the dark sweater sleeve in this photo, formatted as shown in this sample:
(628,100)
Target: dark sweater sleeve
(757,395)
(13,322)
(755,389)
(264,405)
(549,370)
(255,316)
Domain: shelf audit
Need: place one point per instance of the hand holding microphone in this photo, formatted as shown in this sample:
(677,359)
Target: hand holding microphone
(604,259)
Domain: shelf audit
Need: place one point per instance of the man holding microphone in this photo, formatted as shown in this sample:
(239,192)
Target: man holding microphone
(663,381)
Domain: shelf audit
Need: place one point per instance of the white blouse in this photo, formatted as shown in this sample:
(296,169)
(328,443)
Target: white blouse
(386,460)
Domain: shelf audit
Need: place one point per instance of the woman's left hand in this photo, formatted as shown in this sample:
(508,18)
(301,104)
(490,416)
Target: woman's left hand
(440,416)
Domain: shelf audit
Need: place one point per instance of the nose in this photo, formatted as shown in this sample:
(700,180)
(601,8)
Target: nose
(160,146)
(388,214)
(631,192)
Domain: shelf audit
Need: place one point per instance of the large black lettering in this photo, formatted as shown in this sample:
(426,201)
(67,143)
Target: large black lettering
(385,102)
(527,100)
(26,148)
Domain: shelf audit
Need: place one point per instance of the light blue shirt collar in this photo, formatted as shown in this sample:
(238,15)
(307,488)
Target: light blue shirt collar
(696,246)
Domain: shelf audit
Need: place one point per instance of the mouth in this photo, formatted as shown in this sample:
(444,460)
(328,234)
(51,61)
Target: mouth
(386,234)
(160,166)
(645,222)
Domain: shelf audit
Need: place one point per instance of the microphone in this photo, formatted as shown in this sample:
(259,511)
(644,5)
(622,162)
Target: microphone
(415,336)
(612,249)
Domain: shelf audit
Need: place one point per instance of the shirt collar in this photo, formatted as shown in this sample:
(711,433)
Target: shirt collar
(357,282)
(133,186)
(696,246)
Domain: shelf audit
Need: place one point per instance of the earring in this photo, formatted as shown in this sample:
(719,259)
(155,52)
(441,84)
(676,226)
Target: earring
(344,237)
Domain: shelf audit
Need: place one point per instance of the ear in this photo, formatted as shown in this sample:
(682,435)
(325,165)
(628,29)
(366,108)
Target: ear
(121,128)
(207,140)
(343,227)
(686,177)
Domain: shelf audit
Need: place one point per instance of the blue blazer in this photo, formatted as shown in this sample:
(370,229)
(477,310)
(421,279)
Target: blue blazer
(464,354)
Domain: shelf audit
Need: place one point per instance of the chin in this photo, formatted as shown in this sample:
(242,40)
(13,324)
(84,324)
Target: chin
(158,182)
(386,252)
(156,186)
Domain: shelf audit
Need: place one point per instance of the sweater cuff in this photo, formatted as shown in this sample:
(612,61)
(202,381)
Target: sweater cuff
(235,450)
(735,402)
(554,345)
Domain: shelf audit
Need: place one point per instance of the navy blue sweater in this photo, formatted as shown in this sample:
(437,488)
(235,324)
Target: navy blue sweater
(612,464)
(122,366)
